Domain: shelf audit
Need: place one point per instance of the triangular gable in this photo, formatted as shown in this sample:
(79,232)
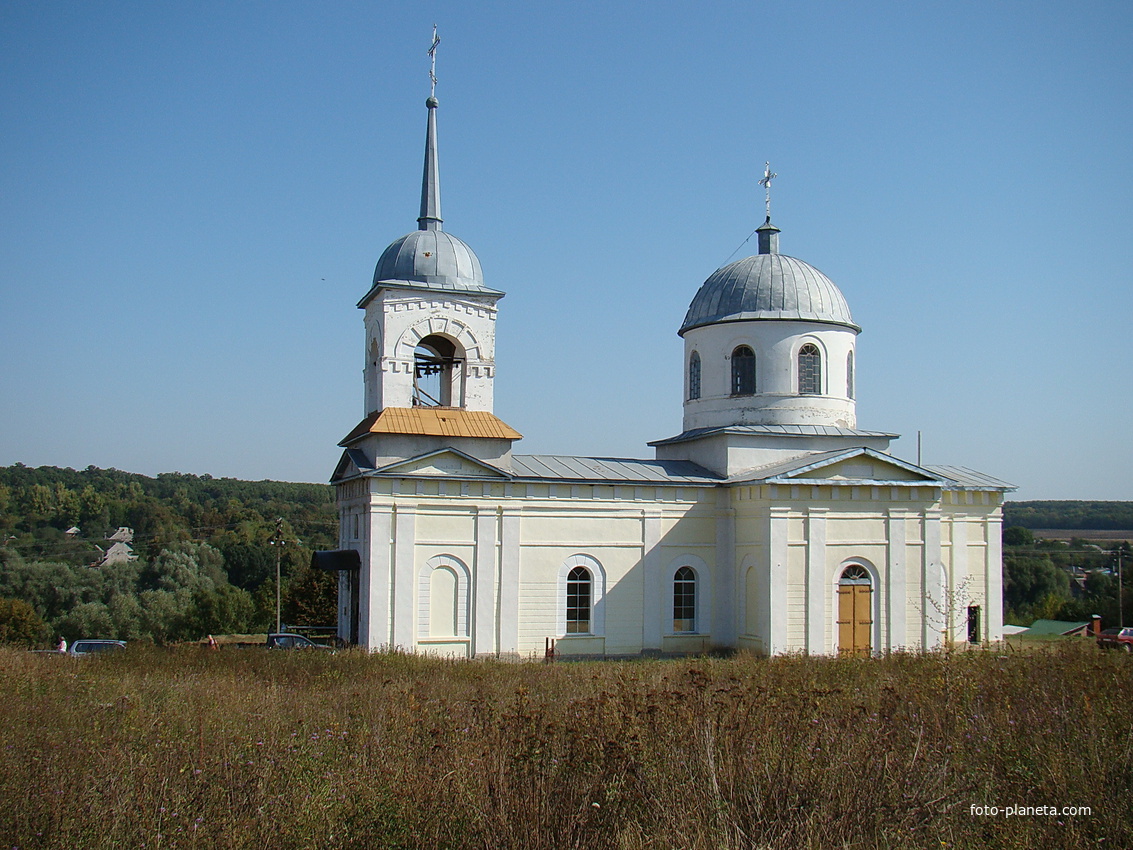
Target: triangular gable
(352,464)
(852,466)
(443,463)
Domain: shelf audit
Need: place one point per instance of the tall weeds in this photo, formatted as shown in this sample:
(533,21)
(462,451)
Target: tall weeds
(252,749)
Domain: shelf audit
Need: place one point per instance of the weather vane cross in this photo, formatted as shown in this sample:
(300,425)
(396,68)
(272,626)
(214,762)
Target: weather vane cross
(765,181)
(433,62)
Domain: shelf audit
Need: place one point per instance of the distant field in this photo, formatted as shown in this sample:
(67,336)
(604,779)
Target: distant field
(195,749)
(1082,533)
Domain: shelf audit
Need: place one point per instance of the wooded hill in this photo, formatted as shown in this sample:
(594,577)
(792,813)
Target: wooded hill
(205,561)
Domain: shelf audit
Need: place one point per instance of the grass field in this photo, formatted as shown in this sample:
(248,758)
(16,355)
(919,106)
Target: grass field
(254,749)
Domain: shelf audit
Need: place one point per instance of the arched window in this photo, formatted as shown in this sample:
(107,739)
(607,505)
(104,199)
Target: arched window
(694,376)
(850,375)
(578,598)
(743,371)
(810,370)
(684,600)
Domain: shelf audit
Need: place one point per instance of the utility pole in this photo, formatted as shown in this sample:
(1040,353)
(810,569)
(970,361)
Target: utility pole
(1120,594)
(277,542)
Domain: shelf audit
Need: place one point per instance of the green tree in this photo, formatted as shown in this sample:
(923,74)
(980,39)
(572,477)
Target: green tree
(1028,581)
(20,625)
(311,598)
(1016,535)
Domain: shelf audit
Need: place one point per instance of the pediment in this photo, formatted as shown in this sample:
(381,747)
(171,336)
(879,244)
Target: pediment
(352,464)
(444,463)
(865,469)
(860,465)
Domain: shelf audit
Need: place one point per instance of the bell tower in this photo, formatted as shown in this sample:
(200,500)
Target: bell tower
(430,339)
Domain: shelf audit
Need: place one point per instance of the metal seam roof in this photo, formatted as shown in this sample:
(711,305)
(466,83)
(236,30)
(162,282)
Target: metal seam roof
(768,286)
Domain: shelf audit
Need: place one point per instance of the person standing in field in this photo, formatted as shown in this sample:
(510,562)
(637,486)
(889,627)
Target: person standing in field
(62,646)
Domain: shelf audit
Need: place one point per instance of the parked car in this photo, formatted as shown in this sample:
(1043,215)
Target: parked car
(1117,639)
(90,647)
(289,641)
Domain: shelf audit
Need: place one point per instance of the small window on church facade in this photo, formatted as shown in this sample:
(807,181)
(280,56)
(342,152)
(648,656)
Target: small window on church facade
(694,376)
(810,370)
(578,601)
(743,371)
(684,600)
(850,375)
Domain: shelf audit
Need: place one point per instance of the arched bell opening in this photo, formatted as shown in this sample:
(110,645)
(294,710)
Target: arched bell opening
(438,373)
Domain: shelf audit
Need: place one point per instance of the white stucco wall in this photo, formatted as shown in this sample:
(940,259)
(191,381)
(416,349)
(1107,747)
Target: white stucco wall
(767,560)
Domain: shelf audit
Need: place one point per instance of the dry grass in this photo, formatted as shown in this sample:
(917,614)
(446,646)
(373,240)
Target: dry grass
(255,749)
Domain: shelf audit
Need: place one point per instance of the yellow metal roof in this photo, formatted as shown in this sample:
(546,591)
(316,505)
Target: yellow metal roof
(434,422)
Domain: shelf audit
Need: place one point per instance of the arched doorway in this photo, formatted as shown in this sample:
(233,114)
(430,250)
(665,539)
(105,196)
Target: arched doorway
(855,611)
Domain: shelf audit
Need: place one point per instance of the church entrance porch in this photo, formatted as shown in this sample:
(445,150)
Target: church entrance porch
(855,612)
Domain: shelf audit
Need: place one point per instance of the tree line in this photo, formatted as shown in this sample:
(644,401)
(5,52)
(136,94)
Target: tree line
(205,556)
(1081,515)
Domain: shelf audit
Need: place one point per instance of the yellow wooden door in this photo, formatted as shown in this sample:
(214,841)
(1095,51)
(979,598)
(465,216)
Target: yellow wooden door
(855,619)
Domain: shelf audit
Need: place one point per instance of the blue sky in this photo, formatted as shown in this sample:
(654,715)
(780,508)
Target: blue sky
(193,197)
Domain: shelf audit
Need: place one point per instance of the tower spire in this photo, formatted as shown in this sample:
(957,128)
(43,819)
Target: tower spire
(430,218)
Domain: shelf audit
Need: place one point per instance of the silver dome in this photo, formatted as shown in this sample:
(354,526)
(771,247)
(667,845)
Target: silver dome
(768,286)
(431,259)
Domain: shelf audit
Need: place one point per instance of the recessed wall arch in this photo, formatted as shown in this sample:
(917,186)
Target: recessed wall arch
(443,598)
(597,593)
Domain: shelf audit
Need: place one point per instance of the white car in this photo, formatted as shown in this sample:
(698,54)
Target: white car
(89,647)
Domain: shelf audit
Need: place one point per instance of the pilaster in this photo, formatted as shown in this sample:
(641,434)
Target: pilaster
(653,581)
(816,584)
(777,581)
(404,597)
(484,583)
(724,599)
(993,579)
(932,593)
(509,580)
(896,577)
(374,583)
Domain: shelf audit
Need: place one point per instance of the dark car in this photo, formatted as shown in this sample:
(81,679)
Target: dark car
(287,641)
(90,647)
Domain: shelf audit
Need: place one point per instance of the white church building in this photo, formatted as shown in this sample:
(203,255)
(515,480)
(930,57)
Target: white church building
(770,524)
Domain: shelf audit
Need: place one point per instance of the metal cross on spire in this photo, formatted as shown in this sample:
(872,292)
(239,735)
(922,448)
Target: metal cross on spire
(433,62)
(765,181)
